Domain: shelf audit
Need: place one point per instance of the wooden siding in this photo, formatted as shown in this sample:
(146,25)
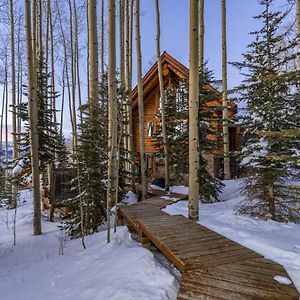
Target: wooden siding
(173,71)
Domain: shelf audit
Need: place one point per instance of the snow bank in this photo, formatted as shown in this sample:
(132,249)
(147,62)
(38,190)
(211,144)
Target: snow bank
(130,198)
(276,241)
(117,271)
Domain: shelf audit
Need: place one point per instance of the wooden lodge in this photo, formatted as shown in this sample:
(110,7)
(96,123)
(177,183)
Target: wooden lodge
(173,71)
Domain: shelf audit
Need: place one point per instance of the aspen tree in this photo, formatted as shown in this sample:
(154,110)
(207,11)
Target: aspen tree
(13,95)
(20,76)
(128,81)
(47,42)
(73,78)
(298,32)
(62,98)
(33,116)
(162,98)
(201,34)
(2,117)
(34,32)
(66,75)
(112,112)
(224,95)
(102,37)
(122,137)
(93,56)
(193,112)
(140,100)
(6,123)
(88,42)
(122,78)
(77,59)
(40,52)
(53,103)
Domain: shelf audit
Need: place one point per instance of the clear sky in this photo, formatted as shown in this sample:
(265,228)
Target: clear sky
(175,32)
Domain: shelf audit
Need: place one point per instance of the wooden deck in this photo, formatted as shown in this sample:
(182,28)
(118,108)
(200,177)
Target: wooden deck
(212,266)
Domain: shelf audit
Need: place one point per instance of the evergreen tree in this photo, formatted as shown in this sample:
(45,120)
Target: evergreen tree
(270,153)
(89,205)
(177,131)
(52,147)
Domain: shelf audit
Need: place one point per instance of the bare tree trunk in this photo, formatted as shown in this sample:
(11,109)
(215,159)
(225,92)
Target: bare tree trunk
(102,37)
(33,116)
(122,81)
(53,90)
(140,101)
(162,98)
(298,32)
(47,43)
(34,33)
(128,81)
(112,113)
(201,34)
(6,126)
(13,96)
(20,79)
(93,56)
(62,99)
(193,113)
(77,60)
(88,42)
(224,94)
(2,118)
(67,76)
(40,52)
(73,75)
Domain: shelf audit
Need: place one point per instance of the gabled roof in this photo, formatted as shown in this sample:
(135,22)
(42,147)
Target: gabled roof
(177,67)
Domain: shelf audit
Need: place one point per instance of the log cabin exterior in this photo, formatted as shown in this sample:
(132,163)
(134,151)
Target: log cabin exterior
(173,71)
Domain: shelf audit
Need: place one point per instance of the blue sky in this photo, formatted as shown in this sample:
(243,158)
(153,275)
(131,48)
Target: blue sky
(175,32)
(175,35)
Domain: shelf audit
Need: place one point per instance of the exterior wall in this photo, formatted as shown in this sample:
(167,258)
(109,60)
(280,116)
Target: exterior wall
(151,109)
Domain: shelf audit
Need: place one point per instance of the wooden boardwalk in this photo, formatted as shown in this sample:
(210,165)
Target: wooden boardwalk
(212,266)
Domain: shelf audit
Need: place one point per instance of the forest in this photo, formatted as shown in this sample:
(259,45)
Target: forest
(122,180)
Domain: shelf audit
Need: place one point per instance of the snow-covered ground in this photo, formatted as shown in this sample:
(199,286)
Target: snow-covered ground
(34,270)
(276,241)
(121,270)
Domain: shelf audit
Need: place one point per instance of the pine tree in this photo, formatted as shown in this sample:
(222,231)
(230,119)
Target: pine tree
(270,152)
(52,148)
(91,159)
(90,201)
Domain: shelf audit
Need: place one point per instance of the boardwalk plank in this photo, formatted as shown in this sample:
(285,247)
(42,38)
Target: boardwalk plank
(212,266)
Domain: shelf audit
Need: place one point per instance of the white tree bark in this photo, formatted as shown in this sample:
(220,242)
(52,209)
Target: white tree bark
(73,78)
(224,95)
(128,81)
(298,32)
(162,98)
(201,34)
(93,55)
(112,113)
(193,112)
(33,116)
(13,96)
(140,100)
